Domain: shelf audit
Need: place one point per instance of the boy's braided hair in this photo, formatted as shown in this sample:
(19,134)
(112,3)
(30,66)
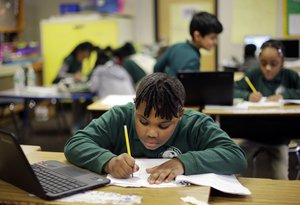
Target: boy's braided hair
(162,92)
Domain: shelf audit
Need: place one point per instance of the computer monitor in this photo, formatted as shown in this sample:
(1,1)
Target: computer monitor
(291,48)
(257,40)
(207,88)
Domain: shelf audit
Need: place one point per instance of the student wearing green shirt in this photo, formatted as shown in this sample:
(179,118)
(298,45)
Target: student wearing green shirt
(272,82)
(72,64)
(158,127)
(185,56)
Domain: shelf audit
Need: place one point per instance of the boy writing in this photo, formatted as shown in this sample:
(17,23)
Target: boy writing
(158,127)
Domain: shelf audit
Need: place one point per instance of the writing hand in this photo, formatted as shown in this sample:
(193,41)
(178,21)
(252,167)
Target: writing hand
(255,97)
(165,172)
(121,166)
(77,76)
(274,98)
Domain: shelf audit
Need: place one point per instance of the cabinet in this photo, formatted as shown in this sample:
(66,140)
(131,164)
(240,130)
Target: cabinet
(59,35)
(12,16)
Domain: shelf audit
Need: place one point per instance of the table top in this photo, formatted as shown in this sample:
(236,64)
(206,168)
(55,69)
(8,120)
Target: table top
(30,148)
(264,191)
(37,92)
(233,110)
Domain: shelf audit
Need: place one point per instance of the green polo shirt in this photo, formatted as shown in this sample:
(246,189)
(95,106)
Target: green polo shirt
(179,57)
(197,142)
(287,82)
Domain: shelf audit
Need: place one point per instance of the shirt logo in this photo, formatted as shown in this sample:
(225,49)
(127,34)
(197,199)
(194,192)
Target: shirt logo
(170,152)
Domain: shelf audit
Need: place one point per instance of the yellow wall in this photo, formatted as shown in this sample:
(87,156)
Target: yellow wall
(60,38)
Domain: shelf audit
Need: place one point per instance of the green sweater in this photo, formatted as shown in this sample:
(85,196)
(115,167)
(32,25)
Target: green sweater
(180,57)
(288,82)
(197,142)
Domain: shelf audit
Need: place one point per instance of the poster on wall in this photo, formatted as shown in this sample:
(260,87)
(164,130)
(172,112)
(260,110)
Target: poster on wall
(291,17)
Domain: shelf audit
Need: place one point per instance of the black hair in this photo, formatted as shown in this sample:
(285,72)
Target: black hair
(249,50)
(85,46)
(162,92)
(274,44)
(205,23)
(126,50)
(102,56)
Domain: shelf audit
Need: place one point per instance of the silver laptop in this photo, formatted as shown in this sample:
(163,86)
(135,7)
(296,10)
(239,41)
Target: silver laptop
(48,179)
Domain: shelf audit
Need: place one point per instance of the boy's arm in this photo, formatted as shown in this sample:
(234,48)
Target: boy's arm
(161,63)
(90,148)
(218,153)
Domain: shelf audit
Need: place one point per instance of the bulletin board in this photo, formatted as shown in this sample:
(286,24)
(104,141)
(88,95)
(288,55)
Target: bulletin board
(291,18)
(172,24)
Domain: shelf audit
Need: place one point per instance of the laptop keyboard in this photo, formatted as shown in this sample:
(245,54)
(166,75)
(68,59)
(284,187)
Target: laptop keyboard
(53,182)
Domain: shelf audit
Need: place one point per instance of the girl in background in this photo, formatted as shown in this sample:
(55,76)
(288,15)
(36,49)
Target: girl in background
(72,64)
(273,83)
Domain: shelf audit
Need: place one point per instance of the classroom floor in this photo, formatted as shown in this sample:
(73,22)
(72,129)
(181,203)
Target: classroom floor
(49,133)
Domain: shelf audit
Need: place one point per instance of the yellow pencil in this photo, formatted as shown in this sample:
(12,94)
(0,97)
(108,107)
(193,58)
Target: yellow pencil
(250,84)
(127,142)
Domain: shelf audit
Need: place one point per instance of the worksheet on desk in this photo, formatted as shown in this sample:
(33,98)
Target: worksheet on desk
(224,183)
(139,178)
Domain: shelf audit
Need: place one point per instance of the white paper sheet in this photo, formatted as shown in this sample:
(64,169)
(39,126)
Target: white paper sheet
(224,183)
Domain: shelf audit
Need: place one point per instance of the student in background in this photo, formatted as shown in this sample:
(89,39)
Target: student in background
(158,127)
(72,64)
(250,60)
(274,82)
(139,65)
(109,78)
(204,30)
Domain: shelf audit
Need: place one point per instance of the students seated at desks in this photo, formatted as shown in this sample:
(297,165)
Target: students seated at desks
(250,60)
(158,127)
(204,30)
(108,77)
(139,65)
(72,64)
(274,82)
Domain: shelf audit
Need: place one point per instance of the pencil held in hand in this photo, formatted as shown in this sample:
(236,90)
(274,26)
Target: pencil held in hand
(127,142)
(250,84)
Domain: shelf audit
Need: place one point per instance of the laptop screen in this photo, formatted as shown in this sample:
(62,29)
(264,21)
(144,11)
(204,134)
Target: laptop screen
(207,88)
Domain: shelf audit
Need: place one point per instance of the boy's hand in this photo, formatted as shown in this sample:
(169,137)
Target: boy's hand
(255,97)
(165,172)
(121,166)
(274,98)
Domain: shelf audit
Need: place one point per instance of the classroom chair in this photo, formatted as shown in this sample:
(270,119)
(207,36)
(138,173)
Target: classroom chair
(8,105)
(294,148)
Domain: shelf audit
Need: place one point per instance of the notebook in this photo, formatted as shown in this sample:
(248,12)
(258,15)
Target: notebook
(43,178)
(207,88)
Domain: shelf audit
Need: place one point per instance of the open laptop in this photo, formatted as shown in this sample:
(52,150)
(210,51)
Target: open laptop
(42,179)
(207,88)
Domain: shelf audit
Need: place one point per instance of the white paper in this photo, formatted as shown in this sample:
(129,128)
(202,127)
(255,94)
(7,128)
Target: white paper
(100,197)
(139,178)
(224,183)
(113,100)
(193,200)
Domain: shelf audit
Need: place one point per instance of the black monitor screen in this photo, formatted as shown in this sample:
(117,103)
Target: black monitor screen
(291,47)
(207,88)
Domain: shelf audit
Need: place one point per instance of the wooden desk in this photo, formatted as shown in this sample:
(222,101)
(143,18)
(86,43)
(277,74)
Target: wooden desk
(100,106)
(38,93)
(30,148)
(264,191)
(281,122)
